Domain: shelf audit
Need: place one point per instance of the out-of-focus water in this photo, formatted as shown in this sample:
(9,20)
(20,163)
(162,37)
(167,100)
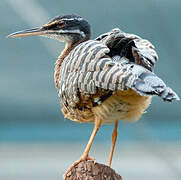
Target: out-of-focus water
(68,131)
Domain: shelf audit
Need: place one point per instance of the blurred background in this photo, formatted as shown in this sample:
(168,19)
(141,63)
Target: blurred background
(36,142)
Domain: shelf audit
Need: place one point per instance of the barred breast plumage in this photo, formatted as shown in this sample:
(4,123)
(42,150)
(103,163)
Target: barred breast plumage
(93,83)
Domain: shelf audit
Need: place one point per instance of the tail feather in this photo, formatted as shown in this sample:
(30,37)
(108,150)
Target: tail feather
(169,95)
(149,84)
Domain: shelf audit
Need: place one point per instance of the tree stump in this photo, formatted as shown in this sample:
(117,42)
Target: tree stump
(88,170)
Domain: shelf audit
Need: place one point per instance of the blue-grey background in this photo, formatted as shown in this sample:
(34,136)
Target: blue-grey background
(30,114)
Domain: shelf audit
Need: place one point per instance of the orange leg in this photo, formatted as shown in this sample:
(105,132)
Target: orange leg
(85,155)
(114,138)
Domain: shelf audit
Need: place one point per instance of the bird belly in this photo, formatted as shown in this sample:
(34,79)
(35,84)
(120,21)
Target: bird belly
(122,105)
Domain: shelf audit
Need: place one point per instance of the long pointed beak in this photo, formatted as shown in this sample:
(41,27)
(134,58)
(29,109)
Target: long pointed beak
(28,32)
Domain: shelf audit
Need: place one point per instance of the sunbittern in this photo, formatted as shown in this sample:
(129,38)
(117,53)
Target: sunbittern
(104,80)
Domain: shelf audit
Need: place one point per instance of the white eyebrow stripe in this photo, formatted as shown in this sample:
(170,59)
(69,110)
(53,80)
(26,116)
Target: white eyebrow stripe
(77,31)
(71,19)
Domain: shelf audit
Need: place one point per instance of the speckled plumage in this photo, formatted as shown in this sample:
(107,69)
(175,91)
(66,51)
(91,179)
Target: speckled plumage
(89,73)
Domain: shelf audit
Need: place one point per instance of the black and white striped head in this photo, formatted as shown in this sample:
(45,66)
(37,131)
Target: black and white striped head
(66,28)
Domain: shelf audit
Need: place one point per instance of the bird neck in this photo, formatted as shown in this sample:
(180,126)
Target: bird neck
(64,53)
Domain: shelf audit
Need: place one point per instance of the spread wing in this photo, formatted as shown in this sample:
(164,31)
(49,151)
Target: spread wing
(137,50)
(88,68)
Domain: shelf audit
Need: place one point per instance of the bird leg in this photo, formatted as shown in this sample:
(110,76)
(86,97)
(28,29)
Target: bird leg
(114,138)
(85,155)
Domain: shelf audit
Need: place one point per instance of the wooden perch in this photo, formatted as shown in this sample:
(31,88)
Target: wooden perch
(88,170)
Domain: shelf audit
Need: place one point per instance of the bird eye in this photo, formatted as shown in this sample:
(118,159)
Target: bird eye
(61,23)
(54,25)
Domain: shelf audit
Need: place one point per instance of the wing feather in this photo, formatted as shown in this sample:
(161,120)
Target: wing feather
(138,50)
(93,70)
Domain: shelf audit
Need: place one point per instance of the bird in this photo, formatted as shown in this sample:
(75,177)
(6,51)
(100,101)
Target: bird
(102,80)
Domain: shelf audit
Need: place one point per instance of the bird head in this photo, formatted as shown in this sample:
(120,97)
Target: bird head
(66,28)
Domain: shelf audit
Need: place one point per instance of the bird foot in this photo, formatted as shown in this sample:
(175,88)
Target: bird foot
(83,158)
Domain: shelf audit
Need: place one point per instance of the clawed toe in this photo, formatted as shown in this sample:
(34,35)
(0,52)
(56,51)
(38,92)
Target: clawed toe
(83,158)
